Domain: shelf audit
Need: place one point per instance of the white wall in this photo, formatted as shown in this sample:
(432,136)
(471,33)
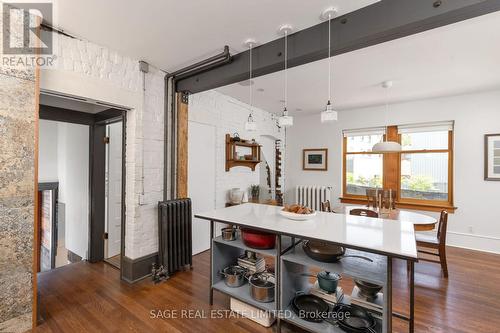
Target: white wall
(474,114)
(88,70)
(64,158)
(73,166)
(47,151)
(228,115)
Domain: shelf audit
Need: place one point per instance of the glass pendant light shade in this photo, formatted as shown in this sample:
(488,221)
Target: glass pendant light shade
(250,125)
(329,114)
(285,120)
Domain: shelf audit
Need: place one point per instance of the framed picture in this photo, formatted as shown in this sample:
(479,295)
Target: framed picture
(315,159)
(492,157)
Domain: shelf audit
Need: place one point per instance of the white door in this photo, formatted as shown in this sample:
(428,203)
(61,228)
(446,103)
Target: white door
(114,188)
(201,180)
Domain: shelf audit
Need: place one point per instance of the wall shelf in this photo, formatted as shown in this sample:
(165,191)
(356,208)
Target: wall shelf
(231,153)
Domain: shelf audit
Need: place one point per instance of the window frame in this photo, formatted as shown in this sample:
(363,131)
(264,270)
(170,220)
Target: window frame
(391,175)
(344,168)
(439,203)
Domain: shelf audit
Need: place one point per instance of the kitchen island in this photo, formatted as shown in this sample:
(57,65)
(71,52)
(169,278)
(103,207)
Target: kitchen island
(380,240)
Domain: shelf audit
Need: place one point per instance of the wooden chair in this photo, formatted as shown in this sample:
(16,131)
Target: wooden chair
(387,197)
(364,212)
(326,206)
(437,243)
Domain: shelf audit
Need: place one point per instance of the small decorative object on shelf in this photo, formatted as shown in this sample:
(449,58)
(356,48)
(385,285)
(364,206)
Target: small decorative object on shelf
(241,152)
(255,190)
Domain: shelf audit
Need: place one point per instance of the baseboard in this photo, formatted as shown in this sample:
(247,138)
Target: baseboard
(134,270)
(473,242)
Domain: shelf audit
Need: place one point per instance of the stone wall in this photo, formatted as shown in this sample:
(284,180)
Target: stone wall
(17,158)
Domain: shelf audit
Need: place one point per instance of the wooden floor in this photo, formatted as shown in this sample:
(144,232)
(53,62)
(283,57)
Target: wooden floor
(85,297)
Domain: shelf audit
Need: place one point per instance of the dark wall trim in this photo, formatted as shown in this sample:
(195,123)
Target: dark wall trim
(97,131)
(67,116)
(134,270)
(97,192)
(378,23)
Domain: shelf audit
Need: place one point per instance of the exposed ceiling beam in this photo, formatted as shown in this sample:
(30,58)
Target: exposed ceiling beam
(378,23)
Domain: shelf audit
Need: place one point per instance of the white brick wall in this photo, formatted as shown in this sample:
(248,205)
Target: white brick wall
(94,63)
(228,115)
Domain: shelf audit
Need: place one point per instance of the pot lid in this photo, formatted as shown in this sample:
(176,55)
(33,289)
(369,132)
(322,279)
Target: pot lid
(329,276)
(324,248)
(264,280)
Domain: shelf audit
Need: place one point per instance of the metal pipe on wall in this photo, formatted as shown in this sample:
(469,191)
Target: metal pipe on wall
(170,158)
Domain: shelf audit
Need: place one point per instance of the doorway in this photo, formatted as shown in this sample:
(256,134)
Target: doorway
(113,200)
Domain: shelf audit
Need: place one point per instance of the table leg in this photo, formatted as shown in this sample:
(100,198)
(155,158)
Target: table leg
(277,272)
(211,295)
(412,297)
(388,295)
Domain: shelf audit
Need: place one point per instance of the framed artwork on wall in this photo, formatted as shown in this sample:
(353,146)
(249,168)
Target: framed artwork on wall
(492,157)
(315,159)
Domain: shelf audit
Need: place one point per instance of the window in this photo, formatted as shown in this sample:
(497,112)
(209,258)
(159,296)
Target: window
(422,172)
(363,169)
(425,163)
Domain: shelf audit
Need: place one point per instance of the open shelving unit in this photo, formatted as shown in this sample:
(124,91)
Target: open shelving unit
(296,265)
(226,253)
(231,153)
(294,268)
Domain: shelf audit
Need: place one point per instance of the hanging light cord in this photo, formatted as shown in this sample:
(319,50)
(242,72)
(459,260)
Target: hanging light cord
(329,59)
(285,111)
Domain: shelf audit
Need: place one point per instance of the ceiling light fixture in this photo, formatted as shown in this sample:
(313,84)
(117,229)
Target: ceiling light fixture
(387,146)
(329,114)
(285,120)
(250,124)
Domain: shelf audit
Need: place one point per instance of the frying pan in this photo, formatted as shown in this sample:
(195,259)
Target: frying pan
(326,252)
(310,308)
(354,319)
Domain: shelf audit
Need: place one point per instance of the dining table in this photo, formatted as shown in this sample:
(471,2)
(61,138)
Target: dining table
(420,221)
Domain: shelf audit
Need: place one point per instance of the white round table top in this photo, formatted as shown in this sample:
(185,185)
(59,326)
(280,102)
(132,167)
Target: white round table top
(418,219)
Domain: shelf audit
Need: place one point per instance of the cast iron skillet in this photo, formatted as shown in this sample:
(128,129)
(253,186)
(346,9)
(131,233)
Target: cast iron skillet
(354,319)
(310,308)
(325,252)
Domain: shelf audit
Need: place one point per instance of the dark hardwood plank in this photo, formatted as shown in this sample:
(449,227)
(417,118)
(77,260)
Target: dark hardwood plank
(84,297)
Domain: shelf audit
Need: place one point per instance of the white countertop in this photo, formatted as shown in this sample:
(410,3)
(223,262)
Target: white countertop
(389,237)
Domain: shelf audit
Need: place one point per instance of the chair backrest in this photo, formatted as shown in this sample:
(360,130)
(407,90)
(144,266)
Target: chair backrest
(326,206)
(442,227)
(363,212)
(386,197)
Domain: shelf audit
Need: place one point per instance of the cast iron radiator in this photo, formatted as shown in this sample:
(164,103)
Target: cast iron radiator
(175,239)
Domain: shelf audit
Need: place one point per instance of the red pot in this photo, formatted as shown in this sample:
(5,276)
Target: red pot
(258,239)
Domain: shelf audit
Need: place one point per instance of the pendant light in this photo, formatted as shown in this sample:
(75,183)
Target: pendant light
(250,124)
(329,114)
(387,146)
(285,120)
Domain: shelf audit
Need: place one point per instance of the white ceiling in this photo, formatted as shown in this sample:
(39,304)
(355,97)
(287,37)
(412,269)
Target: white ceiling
(171,34)
(455,59)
